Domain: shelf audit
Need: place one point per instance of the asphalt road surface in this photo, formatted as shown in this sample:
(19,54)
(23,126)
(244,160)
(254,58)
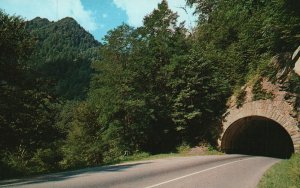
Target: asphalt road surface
(197,171)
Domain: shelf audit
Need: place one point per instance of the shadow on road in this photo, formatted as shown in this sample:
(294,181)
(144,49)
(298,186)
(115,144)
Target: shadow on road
(68,175)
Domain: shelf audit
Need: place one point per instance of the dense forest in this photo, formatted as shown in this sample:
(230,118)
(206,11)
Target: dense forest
(68,101)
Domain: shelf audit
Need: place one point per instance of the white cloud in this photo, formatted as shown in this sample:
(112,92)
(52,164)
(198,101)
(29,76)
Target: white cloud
(138,9)
(51,9)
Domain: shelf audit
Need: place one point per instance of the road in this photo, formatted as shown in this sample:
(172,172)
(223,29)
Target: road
(197,171)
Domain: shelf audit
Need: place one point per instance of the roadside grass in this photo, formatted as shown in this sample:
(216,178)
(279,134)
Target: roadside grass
(285,174)
(182,151)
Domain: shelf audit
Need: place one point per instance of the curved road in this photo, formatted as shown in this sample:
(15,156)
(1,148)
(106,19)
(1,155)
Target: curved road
(198,171)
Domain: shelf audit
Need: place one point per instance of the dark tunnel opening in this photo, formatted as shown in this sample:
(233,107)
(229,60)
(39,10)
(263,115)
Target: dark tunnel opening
(257,135)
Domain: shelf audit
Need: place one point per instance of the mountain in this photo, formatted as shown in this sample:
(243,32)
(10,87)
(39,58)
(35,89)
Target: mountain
(63,54)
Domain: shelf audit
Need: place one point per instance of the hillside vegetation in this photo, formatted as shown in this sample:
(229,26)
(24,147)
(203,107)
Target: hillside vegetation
(67,101)
(62,56)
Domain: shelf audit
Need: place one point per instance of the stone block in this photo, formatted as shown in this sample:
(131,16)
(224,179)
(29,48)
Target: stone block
(281,119)
(293,132)
(296,140)
(274,116)
(296,136)
(297,148)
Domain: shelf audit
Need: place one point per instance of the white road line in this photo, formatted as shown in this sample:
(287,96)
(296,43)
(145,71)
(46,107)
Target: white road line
(181,177)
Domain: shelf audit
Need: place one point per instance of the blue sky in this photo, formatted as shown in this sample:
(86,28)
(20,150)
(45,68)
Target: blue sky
(96,16)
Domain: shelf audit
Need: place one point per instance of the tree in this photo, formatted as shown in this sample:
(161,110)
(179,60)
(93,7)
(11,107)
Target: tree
(203,7)
(26,113)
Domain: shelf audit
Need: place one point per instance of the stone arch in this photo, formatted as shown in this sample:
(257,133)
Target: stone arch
(277,111)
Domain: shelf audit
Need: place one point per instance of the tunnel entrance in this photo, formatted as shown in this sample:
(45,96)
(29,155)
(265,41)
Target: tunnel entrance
(257,135)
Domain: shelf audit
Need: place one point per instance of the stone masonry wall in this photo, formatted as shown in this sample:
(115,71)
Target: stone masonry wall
(279,109)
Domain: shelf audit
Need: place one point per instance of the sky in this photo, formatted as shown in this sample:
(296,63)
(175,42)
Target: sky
(96,16)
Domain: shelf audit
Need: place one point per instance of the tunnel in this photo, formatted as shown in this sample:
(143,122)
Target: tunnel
(256,135)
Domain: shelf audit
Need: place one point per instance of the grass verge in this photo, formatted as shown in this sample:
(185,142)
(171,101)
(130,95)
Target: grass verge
(283,174)
(182,151)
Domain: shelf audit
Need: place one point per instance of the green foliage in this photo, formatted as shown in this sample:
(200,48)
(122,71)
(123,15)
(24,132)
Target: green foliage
(61,38)
(183,148)
(133,157)
(203,7)
(44,160)
(131,91)
(199,97)
(240,97)
(66,101)
(22,162)
(83,145)
(26,112)
(259,93)
(62,56)
(283,174)
(293,86)
(239,45)
(150,91)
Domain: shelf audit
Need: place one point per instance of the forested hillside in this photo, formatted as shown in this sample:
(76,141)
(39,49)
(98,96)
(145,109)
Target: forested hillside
(68,102)
(62,55)
(45,66)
